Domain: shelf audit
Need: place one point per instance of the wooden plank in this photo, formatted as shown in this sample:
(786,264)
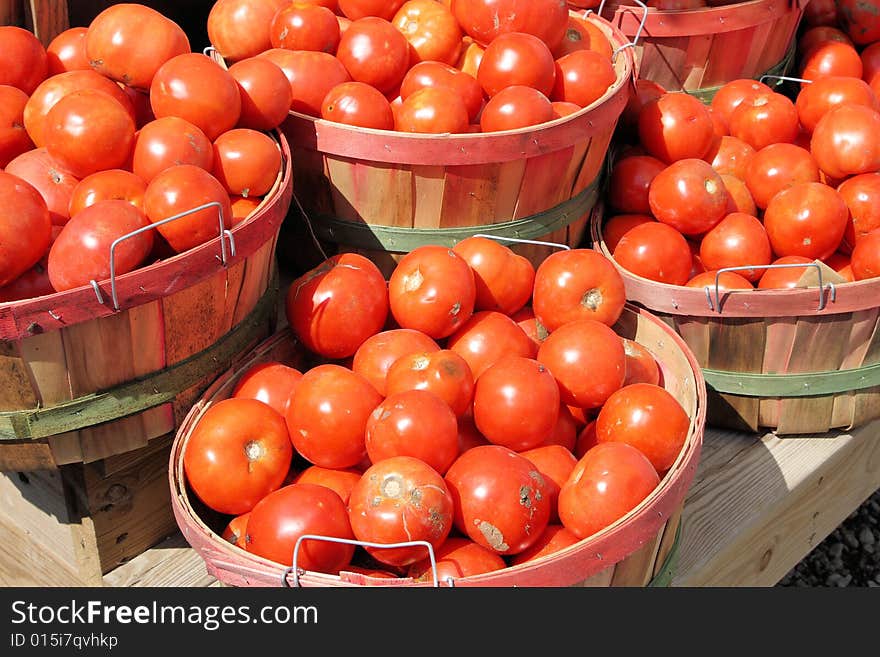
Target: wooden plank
(49,18)
(47,363)
(735,345)
(638,568)
(171,563)
(16,392)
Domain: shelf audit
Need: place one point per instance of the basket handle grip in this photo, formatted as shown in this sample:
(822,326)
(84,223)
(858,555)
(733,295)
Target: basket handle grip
(635,40)
(716,306)
(500,238)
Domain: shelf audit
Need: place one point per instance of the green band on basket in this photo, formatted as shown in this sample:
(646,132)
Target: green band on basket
(664,576)
(793,385)
(146,392)
(404,239)
(706,94)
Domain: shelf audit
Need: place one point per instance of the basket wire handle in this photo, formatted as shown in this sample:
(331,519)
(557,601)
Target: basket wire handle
(224,235)
(631,44)
(518,240)
(293,569)
(782,78)
(832,290)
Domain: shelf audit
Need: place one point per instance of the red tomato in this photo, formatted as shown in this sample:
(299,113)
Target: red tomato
(359,104)
(500,498)
(584,345)
(514,107)
(870,57)
(14,138)
(645,91)
(339,480)
(820,12)
(518,58)
(179,189)
(272,383)
(740,198)
(629,182)
(618,225)
(433,74)
(238,453)
(865,260)
(129,42)
(337,305)
(432,290)
(25,227)
(435,110)
(860,19)
(168,141)
(484,20)
(730,156)
(676,126)
(107,185)
(431,29)
(832,58)
(457,557)
(442,372)
(414,423)
(50,178)
(516,403)
(280,519)
(311,75)
(586,439)
(397,500)
(577,284)
(328,414)
(725,281)
(236,531)
(243,207)
(374,51)
(845,141)
(862,197)
(657,252)
(487,337)
(807,219)
(819,35)
(641,365)
(246,162)
(82,250)
(471,55)
(688,195)
(25,63)
(554,539)
(608,482)
(733,93)
(504,279)
(582,34)
(67,51)
(565,432)
(777,167)
(815,99)
(239,29)
(562,108)
(265,92)
(737,240)
(526,320)
(379,352)
(765,119)
(304,27)
(582,77)
(555,464)
(784,272)
(355,9)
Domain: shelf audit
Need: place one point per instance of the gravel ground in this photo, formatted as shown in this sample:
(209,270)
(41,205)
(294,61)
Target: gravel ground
(849,556)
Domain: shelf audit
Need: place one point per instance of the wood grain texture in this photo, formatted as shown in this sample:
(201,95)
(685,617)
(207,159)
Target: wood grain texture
(49,18)
(171,563)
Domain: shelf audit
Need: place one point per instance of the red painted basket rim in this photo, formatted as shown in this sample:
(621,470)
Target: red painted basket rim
(21,319)
(585,558)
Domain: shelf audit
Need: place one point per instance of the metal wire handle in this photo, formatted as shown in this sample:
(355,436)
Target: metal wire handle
(631,44)
(832,290)
(224,235)
(348,541)
(782,78)
(518,240)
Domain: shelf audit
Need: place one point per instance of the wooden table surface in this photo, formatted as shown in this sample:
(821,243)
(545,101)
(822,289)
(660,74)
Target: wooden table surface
(757,506)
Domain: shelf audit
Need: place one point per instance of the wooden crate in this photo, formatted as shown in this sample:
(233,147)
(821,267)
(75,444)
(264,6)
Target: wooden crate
(70,525)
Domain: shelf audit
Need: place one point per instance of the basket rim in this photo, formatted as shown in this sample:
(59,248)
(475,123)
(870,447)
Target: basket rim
(26,317)
(669,494)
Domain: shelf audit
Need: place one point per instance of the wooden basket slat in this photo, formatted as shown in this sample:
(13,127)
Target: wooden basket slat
(428,190)
(778,344)
(669,541)
(98,353)
(17,391)
(696,60)
(47,366)
(638,568)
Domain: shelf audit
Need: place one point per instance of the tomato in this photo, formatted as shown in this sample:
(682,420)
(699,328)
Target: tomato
(584,345)
(128,43)
(53,89)
(554,539)
(617,226)
(582,34)
(739,197)
(484,20)
(311,74)
(629,182)
(730,156)
(565,432)
(272,383)
(435,110)
(641,364)
(725,281)
(563,108)
(733,93)
(443,372)
(586,439)
(378,353)
(820,12)
(337,305)
(860,193)
(676,126)
(819,35)
(555,464)
(431,29)
(815,99)
(25,227)
(328,414)
(246,162)
(25,63)
(807,219)
(500,498)
(265,93)
(845,141)
(432,74)
(831,58)
(526,320)
(50,178)
(865,260)
(374,51)
(413,423)
(468,434)
(777,167)
(738,240)
(239,29)
(432,290)
(196,88)
(504,279)
(784,272)
(238,453)
(236,531)
(359,104)
(645,91)
(401,499)
(487,337)
(243,207)
(514,107)
(14,138)
(688,195)
(655,251)
(107,185)
(577,284)
(304,27)
(340,480)
(518,58)
(280,519)
(583,77)
(719,127)
(765,119)
(67,51)
(169,141)
(355,9)
(456,557)
(860,20)
(870,57)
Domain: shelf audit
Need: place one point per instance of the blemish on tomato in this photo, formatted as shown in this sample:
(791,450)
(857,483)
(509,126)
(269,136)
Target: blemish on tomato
(493,536)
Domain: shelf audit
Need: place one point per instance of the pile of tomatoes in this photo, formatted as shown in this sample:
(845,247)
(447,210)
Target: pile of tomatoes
(115,127)
(423,66)
(759,177)
(471,402)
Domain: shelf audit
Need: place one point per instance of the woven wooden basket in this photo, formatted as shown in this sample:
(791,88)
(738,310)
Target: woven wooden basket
(636,550)
(382,193)
(97,371)
(796,361)
(700,50)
